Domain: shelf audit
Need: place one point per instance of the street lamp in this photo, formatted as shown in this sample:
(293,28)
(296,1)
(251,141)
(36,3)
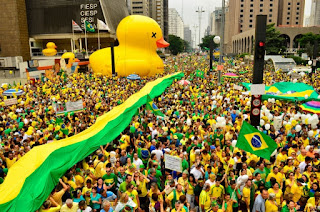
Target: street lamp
(217,39)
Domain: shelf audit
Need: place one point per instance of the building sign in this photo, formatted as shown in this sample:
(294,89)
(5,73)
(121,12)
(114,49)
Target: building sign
(88,12)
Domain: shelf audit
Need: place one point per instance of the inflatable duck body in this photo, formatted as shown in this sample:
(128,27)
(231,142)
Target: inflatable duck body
(50,50)
(139,37)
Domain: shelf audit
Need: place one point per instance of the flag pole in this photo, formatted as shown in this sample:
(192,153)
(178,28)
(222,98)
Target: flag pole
(73,43)
(85,34)
(98,38)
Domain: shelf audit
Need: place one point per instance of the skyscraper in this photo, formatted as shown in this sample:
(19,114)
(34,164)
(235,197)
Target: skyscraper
(314,19)
(188,35)
(139,7)
(176,26)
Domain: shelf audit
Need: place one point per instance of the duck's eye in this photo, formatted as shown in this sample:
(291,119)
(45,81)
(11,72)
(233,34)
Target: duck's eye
(154,35)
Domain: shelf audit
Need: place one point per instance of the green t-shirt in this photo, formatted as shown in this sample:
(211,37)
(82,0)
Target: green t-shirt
(233,195)
(110,179)
(123,186)
(263,173)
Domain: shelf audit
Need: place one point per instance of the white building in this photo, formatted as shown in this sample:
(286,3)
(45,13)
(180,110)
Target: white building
(176,26)
(314,19)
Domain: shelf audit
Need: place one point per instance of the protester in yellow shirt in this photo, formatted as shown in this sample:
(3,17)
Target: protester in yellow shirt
(204,199)
(271,204)
(246,193)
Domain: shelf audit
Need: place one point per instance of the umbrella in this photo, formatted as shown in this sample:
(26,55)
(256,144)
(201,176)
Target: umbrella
(10,92)
(312,107)
(183,82)
(133,77)
(231,75)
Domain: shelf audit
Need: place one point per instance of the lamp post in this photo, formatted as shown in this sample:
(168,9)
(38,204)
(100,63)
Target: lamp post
(216,40)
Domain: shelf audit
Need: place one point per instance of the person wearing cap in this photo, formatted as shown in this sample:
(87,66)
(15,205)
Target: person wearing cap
(215,207)
(204,199)
(184,179)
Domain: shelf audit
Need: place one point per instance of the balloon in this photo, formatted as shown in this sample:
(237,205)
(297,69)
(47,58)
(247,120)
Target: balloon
(34,123)
(288,127)
(270,116)
(298,128)
(308,147)
(50,127)
(295,80)
(72,113)
(29,132)
(248,103)
(310,133)
(267,126)
(133,32)
(234,143)
(66,114)
(30,128)
(21,124)
(262,122)
(306,120)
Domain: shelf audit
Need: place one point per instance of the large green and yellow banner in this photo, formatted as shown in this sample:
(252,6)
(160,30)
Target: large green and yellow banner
(34,176)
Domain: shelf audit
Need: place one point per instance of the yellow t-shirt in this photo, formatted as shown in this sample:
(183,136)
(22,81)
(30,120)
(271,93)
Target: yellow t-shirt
(246,194)
(133,195)
(277,176)
(98,165)
(182,210)
(297,192)
(10,162)
(278,195)
(72,184)
(143,188)
(287,168)
(79,181)
(182,182)
(216,191)
(271,207)
(171,195)
(57,196)
(204,199)
(53,209)
(190,189)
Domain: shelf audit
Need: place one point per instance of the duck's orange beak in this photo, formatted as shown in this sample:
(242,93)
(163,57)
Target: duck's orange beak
(161,43)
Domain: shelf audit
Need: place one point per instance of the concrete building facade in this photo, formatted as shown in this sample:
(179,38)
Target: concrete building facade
(241,15)
(176,26)
(140,7)
(156,11)
(188,35)
(314,19)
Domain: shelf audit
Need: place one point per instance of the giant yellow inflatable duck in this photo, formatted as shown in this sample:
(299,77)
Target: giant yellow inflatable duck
(139,37)
(50,50)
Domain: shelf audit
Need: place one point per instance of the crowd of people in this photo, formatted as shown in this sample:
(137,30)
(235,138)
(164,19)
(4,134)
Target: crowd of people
(201,124)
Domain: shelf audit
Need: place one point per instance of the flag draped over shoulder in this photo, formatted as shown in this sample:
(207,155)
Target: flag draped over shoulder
(151,106)
(252,140)
(89,27)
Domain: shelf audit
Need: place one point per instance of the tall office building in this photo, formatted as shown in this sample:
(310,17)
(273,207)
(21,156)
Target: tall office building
(156,11)
(241,15)
(188,35)
(139,7)
(314,19)
(166,19)
(175,23)
(215,21)
(291,12)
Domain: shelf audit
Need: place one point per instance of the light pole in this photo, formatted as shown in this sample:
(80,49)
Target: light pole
(217,40)
(200,11)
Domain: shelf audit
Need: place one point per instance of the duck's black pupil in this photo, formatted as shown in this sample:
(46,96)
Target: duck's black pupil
(154,35)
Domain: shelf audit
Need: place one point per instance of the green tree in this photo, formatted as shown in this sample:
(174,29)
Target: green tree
(307,42)
(176,44)
(274,43)
(205,45)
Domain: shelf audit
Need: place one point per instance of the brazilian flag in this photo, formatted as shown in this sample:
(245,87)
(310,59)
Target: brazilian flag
(89,27)
(200,74)
(252,140)
(151,106)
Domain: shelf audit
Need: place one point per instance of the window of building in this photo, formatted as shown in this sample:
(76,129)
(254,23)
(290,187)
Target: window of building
(251,15)
(241,5)
(297,18)
(251,5)
(298,8)
(242,0)
(241,11)
(241,26)
(271,5)
(288,13)
(289,8)
(298,3)
(288,18)
(241,16)
(261,0)
(250,26)
(298,13)
(297,23)
(270,10)
(250,20)
(261,5)
(251,10)
(261,10)
(240,30)
(288,23)
(289,3)
(270,20)
(270,15)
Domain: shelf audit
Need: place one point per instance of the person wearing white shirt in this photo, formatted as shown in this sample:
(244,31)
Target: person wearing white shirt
(197,172)
(154,131)
(158,152)
(137,161)
(70,206)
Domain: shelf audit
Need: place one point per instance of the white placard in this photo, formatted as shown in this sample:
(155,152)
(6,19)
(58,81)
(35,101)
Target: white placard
(238,87)
(277,122)
(74,106)
(257,89)
(11,101)
(173,163)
